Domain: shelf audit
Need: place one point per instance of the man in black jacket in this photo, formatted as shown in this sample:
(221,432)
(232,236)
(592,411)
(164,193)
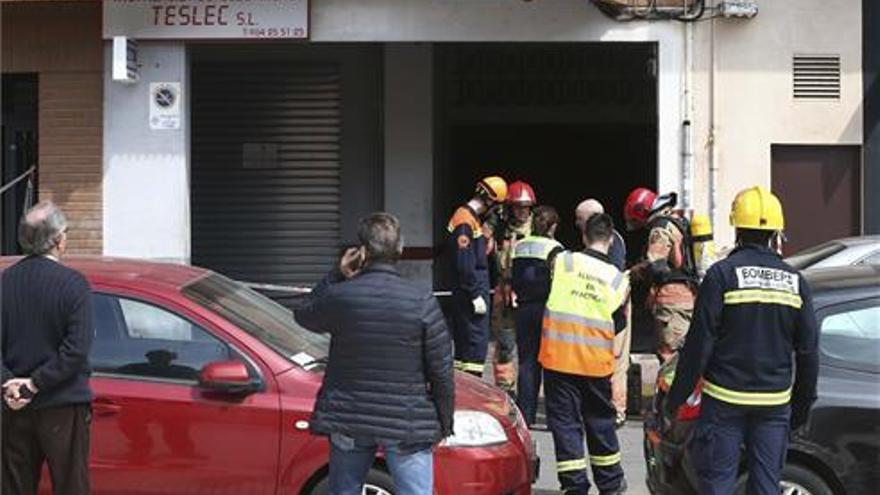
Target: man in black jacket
(47,331)
(389,379)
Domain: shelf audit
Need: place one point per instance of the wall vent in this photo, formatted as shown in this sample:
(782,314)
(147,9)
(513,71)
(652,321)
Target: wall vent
(816,77)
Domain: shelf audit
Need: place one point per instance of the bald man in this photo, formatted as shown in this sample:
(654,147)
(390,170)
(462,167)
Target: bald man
(586,209)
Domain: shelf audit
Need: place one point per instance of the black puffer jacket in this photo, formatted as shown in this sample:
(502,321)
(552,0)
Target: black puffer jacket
(389,374)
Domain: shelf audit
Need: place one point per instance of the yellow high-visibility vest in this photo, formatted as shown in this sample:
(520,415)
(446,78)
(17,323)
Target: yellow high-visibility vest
(536,247)
(577,334)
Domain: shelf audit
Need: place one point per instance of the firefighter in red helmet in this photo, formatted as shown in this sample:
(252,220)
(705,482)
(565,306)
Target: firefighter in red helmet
(668,268)
(514,225)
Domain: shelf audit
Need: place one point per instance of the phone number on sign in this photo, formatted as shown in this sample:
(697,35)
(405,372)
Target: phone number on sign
(286,32)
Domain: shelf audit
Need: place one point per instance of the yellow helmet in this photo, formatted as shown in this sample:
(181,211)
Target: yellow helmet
(493,188)
(701,226)
(757,208)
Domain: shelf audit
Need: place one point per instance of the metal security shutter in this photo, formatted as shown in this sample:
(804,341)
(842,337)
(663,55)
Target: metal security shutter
(266,168)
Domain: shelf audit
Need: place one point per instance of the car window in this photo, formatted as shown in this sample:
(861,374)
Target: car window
(853,335)
(140,339)
(871,259)
(259,316)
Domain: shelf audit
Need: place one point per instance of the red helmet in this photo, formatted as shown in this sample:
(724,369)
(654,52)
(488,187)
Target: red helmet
(521,193)
(638,207)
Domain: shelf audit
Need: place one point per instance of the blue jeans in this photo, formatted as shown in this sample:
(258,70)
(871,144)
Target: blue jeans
(720,433)
(412,466)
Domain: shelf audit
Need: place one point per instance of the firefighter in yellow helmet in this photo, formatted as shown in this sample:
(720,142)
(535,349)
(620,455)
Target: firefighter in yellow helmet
(753,314)
(469,270)
(703,241)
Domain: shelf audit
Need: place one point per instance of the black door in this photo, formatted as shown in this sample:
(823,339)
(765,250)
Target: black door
(19,129)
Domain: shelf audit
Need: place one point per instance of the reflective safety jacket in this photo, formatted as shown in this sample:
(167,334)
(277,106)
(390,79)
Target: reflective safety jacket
(531,272)
(752,313)
(470,265)
(577,335)
(507,238)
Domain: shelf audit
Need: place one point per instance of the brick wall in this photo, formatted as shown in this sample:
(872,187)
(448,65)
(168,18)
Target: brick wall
(61,42)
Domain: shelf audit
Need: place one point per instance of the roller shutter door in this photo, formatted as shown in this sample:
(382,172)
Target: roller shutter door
(266,169)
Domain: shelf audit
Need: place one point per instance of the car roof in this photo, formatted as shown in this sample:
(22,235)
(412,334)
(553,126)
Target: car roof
(858,241)
(843,278)
(124,270)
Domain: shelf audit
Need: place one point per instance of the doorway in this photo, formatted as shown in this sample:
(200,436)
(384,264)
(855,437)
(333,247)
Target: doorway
(820,190)
(19,135)
(575,120)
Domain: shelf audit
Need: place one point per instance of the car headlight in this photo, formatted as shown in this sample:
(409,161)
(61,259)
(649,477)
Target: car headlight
(475,429)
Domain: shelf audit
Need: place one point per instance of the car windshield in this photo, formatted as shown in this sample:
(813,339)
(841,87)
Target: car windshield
(263,318)
(810,256)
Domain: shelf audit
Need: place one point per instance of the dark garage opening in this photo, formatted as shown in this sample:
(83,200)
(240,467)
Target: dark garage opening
(575,120)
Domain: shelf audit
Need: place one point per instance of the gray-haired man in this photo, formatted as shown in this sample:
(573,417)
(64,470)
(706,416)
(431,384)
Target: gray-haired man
(47,330)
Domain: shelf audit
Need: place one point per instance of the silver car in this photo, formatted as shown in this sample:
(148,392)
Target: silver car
(839,252)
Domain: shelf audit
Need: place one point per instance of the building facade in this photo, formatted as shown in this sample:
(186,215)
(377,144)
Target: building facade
(268,150)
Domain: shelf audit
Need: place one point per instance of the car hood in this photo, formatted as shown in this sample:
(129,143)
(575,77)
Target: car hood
(473,394)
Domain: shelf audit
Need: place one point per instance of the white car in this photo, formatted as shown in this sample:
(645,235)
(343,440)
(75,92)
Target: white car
(839,252)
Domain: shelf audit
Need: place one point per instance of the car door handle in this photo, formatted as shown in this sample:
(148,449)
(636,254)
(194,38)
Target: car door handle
(105,408)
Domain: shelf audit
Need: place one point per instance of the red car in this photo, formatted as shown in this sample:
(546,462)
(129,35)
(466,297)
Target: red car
(204,386)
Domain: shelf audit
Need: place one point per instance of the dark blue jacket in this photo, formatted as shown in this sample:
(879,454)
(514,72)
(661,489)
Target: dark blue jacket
(470,264)
(389,375)
(531,270)
(753,312)
(47,330)
(617,255)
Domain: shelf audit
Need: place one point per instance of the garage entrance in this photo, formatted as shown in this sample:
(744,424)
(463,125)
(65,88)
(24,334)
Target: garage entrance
(286,156)
(575,120)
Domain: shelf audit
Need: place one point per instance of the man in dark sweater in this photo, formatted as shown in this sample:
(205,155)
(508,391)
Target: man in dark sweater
(47,330)
(389,380)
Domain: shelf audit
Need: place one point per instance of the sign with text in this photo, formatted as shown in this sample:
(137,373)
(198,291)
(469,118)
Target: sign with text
(165,106)
(206,19)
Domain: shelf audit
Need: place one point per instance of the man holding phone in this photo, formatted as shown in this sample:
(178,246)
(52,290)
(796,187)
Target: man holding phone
(380,326)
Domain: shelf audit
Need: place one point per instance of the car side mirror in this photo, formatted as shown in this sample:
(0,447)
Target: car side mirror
(228,377)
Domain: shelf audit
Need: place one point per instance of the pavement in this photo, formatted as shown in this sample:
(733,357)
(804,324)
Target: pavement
(630,437)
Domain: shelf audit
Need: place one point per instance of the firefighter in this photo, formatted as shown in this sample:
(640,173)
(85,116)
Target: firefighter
(704,244)
(668,268)
(753,313)
(470,275)
(577,354)
(531,284)
(586,209)
(509,229)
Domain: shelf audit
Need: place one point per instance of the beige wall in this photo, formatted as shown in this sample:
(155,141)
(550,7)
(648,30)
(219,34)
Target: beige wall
(61,42)
(753,103)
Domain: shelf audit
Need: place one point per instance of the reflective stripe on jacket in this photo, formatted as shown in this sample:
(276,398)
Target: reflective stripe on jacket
(531,274)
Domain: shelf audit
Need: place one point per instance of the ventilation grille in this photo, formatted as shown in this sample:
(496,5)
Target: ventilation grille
(817,77)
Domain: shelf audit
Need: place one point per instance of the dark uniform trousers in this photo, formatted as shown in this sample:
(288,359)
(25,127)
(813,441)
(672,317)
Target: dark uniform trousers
(470,332)
(58,436)
(574,404)
(721,431)
(529,317)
